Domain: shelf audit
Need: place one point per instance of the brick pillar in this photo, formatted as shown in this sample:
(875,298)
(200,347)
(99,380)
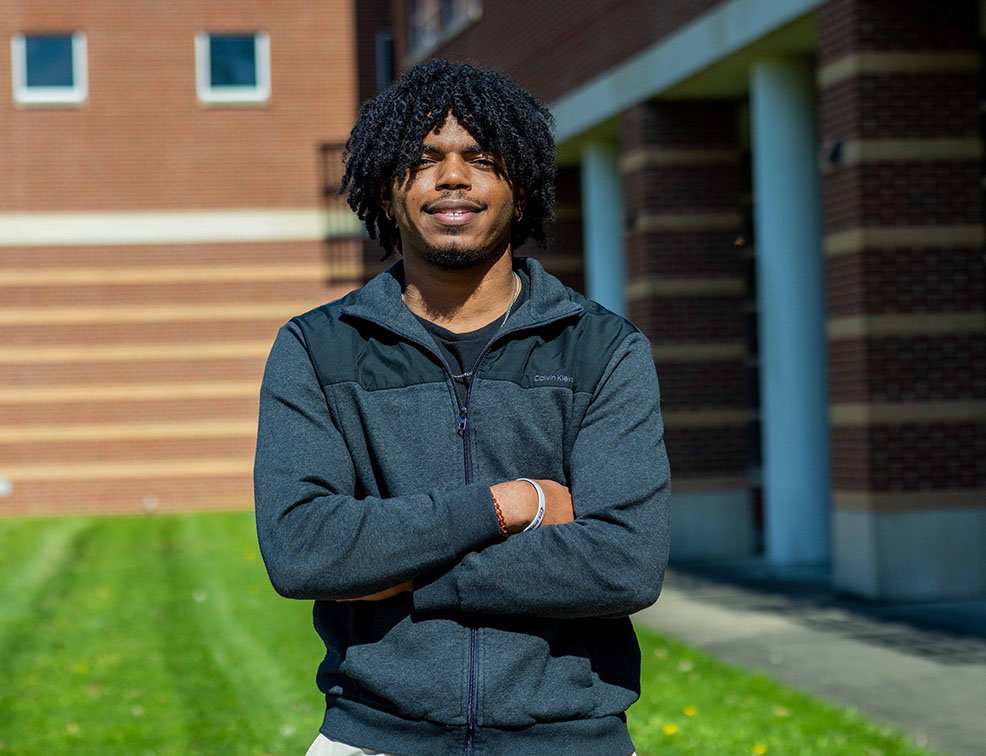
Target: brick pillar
(563,257)
(903,237)
(686,290)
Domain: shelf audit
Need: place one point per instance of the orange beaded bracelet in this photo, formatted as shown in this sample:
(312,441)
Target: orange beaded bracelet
(499,515)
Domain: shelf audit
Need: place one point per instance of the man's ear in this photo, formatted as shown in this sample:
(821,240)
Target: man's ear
(387,203)
(520,202)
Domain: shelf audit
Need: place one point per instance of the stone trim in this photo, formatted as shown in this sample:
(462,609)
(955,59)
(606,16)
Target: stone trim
(166,274)
(127,431)
(860,63)
(128,392)
(908,501)
(86,353)
(686,222)
(646,157)
(699,352)
(858,239)
(866,151)
(905,324)
(179,468)
(150,313)
(900,413)
(701,418)
(643,288)
(177,227)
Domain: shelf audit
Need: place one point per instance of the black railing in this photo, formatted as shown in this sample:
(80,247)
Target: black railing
(330,168)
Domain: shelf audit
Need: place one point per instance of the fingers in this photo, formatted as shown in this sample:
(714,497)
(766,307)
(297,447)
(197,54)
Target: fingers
(385,593)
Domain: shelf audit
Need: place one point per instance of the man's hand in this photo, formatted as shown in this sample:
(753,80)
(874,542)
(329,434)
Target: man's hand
(519,503)
(386,593)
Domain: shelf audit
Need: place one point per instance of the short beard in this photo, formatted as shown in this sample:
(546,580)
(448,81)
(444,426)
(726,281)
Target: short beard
(454,257)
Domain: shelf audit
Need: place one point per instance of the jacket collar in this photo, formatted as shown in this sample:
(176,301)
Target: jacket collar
(380,301)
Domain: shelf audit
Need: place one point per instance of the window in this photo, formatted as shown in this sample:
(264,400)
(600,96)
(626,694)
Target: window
(384,49)
(232,67)
(49,68)
(433,22)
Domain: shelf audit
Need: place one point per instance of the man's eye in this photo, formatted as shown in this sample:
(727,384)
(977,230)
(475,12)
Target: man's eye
(484,161)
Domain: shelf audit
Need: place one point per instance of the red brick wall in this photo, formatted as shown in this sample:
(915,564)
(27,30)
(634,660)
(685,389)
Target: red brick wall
(129,373)
(116,397)
(551,48)
(142,140)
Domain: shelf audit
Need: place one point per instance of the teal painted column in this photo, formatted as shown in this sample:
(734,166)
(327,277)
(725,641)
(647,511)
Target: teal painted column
(791,304)
(602,227)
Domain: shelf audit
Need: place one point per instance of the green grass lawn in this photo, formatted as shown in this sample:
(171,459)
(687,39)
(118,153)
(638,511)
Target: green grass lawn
(161,635)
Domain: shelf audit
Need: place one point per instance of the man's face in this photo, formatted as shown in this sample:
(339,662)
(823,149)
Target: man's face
(455,205)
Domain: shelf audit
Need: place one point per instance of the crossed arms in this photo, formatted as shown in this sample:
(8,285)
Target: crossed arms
(602,554)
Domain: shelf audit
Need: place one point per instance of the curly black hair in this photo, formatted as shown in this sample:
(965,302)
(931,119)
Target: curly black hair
(502,117)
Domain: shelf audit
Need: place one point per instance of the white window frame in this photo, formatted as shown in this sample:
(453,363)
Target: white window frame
(46,95)
(210,94)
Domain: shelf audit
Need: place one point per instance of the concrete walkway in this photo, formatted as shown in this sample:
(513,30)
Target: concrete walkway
(920,668)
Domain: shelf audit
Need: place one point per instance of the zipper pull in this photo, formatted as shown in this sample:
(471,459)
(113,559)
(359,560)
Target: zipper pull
(462,419)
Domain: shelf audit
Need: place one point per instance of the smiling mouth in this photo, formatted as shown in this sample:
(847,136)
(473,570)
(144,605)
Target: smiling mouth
(454,216)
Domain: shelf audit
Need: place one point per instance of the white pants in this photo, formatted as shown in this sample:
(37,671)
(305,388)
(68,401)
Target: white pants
(325,747)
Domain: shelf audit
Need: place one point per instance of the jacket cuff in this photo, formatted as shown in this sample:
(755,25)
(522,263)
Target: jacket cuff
(471,518)
(472,524)
(436,590)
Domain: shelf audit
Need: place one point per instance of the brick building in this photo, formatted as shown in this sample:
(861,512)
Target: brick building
(787,198)
(165,205)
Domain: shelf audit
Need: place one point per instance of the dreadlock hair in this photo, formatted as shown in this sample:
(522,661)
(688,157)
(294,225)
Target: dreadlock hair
(503,118)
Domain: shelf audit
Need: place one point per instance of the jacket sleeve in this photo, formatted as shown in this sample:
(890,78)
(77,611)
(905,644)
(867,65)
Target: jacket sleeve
(610,560)
(318,540)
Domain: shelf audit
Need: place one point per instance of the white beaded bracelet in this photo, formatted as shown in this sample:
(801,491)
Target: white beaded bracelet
(536,522)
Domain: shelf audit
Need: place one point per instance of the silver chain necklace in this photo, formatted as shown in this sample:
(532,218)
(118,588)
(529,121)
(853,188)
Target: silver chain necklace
(505,316)
(513,298)
(509,306)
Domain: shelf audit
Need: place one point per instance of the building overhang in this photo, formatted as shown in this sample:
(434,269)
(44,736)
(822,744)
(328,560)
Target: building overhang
(708,57)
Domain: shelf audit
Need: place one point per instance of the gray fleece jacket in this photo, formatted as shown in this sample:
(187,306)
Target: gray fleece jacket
(369,474)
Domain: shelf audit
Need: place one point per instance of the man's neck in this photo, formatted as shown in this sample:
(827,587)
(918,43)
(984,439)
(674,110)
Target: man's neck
(459,300)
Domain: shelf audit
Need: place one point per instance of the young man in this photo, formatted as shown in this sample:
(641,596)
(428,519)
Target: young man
(462,463)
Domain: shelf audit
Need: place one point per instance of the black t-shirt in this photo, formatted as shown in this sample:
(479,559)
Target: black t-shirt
(462,350)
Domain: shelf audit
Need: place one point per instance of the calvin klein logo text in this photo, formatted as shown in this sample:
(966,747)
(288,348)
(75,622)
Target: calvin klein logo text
(562,378)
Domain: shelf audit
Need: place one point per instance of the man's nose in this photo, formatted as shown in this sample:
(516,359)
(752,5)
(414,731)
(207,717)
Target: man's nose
(453,173)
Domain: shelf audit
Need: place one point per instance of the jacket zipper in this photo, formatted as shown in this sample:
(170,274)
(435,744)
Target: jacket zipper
(463,412)
(467,463)
(463,430)
(473,631)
